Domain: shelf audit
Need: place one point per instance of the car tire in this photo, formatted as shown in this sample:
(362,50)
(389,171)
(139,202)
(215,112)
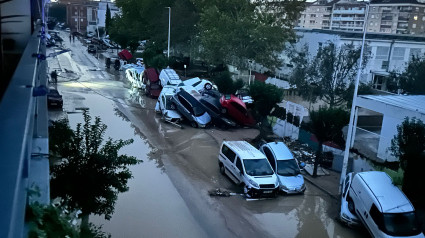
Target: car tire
(208,86)
(222,169)
(351,206)
(193,124)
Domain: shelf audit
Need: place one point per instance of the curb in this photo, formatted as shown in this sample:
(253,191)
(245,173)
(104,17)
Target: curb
(321,188)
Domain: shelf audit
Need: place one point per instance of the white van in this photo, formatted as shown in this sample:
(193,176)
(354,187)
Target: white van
(382,207)
(165,106)
(246,165)
(169,77)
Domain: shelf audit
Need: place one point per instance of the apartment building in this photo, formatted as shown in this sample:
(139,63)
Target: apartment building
(77,14)
(397,17)
(316,15)
(348,15)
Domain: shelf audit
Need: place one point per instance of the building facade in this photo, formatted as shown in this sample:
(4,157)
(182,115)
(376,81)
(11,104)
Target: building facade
(348,15)
(397,17)
(316,15)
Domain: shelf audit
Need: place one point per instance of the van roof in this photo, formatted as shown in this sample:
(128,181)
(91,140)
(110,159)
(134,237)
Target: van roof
(168,90)
(390,198)
(244,150)
(281,151)
(172,76)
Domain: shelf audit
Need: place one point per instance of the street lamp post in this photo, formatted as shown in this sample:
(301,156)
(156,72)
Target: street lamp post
(348,142)
(169,30)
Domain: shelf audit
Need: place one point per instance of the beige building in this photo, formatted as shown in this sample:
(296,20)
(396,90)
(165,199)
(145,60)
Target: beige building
(317,15)
(397,17)
(348,15)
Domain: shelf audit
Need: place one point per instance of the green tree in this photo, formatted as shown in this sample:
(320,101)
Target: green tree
(90,172)
(412,79)
(409,146)
(225,83)
(107,19)
(235,31)
(326,124)
(333,68)
(266,97)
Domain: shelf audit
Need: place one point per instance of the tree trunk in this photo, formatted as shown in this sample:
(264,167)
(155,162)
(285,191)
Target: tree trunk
(84,223)
(318,157)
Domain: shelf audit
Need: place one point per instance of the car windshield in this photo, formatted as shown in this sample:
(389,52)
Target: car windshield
(168,103)
(198,111)
(288,167)
(155,86)
(401,224)
(197,83)
(257,167)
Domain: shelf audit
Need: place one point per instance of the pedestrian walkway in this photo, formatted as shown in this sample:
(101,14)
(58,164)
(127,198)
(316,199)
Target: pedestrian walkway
(327,183)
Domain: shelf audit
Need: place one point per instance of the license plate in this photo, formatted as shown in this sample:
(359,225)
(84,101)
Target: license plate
(268,191)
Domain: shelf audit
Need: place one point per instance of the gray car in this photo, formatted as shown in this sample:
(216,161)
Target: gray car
(189,106)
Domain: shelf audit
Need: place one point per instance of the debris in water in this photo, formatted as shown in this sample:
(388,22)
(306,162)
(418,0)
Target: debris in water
(220,193)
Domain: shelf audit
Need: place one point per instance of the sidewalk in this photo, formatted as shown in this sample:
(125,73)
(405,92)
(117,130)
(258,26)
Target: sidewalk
(327,183)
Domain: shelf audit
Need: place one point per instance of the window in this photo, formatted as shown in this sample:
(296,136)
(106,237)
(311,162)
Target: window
(413,25)
(415,17)
(76,19)
(423,18)
(414,52)
(270,157)
(313,15)
(228,153)
(373,16)
(239,164)
(384,65)
(398,53)
(382,52)
(376,216)
(76,13)
(82,20)
(312,22)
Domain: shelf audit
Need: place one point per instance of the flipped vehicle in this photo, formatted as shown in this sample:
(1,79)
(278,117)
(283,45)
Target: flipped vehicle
(243,94)
(213,107)
(133,74)
(151,81)
(166,107)
(199,84)
(189,106)
(237,110)
(246,165)
(285,166)
(169,77)
(54,99)
(382,207)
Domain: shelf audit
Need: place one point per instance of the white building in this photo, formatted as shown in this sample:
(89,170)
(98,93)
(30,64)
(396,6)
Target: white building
(386,52)
(96,15)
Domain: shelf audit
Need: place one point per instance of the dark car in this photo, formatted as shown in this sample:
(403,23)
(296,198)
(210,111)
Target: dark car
(213,107)
(91,48)
(188,105)
(54,99)
(237,110)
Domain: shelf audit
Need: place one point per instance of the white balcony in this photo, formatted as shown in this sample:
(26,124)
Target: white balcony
(362,11)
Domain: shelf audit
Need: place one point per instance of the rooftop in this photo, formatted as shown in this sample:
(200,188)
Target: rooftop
(396,2)
(414,103)
(244,150)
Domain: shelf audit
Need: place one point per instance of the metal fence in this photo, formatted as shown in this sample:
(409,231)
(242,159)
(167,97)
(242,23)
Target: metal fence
(23,139)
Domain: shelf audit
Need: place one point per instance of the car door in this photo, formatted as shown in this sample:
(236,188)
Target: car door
(270,157)
(239,169)
(184,107)
(229,163)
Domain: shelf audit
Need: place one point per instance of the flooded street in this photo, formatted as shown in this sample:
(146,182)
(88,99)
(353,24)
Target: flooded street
(168,194)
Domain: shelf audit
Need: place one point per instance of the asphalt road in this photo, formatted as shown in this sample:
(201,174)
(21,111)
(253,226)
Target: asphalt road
(168,194)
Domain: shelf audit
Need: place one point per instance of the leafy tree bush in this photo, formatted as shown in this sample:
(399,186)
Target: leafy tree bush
(412,80)
(225,83)
(265,97)
(409,146)
(90,173)
(326,124)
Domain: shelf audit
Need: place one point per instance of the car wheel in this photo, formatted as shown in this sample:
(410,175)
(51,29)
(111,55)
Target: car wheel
(222,169)
(351,206)
(208,86)
(173,106)
(194,124)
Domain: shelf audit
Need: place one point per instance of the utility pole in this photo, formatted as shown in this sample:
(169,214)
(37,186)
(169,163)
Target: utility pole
(348,142)
(169,31)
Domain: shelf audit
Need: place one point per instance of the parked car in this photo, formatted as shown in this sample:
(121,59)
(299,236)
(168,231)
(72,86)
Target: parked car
(151,80)
(91,48)
(246,165)
(169,77)
(213,107)
(165,106)
(382,207)
(191,108)
(243,94)
(199,84)
(236,109)
(54,99)
(285,166)
(213,93)
(347,213)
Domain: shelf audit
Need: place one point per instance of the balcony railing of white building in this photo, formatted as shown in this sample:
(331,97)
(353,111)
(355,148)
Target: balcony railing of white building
(343,11)
(24,138)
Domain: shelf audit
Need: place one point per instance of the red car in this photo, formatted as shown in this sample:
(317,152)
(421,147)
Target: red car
(236,109)
(151,79)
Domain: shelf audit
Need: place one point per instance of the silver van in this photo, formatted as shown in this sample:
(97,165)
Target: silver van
(382,207)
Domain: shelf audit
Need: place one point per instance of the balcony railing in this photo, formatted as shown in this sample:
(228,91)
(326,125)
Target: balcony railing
(23,140)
